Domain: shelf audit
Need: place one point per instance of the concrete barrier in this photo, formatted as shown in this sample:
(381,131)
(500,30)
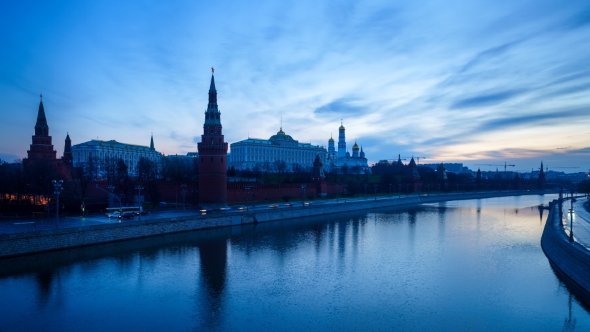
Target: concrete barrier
(570,260)
(12,245)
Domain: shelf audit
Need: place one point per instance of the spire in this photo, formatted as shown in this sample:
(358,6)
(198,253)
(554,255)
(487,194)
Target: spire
(212,115)
(212,86)
(41,127)
(152,142)
(67,156)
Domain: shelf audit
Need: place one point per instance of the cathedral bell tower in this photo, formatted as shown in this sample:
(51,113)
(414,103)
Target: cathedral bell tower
(213,156)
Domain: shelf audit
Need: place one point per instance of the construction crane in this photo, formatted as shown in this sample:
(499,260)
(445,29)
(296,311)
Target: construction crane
(505,165)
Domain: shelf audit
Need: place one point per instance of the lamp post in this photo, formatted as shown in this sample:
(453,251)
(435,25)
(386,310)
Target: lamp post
(375,186)
(572,215)
(365,191)
(302,194)
(111,188)
(336,192)
(247,195)
(345,190)
(183,192)
(139,200)
(57,185)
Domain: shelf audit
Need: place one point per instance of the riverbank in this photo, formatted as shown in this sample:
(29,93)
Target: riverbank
(19,244)
(570,260)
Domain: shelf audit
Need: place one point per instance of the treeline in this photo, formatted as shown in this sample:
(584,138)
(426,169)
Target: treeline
(35,178)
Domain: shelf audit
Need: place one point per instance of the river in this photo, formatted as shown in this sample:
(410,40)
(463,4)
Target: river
(473,265)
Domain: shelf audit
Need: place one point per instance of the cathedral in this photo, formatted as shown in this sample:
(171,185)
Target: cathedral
(342,161)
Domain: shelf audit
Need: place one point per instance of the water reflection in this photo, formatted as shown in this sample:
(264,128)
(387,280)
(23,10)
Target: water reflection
(213,257)
(469,265)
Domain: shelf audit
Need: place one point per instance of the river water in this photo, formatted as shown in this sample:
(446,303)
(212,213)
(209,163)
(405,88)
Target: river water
(473,265)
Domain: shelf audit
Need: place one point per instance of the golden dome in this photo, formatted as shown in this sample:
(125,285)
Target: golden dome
(355,146)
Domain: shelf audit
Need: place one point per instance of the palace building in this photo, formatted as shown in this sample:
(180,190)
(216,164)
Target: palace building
(100,151)
(263,153)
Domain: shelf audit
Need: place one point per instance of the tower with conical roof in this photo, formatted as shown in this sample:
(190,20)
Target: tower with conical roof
(362,154)
(67,158)
(212,155)
(341,142)
(413,175)
(42,148)
(152,143)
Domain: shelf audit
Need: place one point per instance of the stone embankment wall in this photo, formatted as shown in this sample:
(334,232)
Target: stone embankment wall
(41,241)
(570,260)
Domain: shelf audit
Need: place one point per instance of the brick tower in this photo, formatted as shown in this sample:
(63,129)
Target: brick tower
(213,155)
(41,149)
(67,157)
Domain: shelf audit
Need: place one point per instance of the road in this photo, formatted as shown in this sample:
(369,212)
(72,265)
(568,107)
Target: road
(581,222)
(11,226)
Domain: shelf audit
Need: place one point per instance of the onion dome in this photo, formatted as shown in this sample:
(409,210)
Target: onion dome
(331,139)
(355,146)
(347,154)
(341,126)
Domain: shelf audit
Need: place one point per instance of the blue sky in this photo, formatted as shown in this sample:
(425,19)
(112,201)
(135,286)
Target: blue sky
(453,81)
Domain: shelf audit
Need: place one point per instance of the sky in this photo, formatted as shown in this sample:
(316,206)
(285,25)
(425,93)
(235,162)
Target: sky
(476,82)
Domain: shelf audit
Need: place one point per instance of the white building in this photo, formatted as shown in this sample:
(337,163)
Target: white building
(356,163)
(262,153)
(103,150)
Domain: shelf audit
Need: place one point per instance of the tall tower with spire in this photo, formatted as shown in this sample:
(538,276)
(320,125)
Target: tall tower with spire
(212,155)
(152,143)
(42,148)
(341,142)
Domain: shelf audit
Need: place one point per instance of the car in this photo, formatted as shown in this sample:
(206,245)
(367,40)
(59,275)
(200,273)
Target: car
(306,203)
(225,208)
(116,214)
(274,206)
(241,208)
(143,213)
(127,215)
(288,205)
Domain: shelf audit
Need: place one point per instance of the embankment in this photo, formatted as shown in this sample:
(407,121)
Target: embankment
(12,245)
(570,260)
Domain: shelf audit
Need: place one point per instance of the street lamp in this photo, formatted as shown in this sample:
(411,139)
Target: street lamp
(375,186)
(183,192)
(336,192)
(302,194)
(57,185)
(139,188)
(247,195)
(572,215)
(345,190)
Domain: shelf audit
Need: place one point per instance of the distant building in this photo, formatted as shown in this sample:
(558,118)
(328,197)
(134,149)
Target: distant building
(99,151)
(263,153)
(356,163)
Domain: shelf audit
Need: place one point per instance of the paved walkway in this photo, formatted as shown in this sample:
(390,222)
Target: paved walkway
(581,221)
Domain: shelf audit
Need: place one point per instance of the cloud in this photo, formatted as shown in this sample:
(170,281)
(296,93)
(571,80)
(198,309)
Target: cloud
(486,99)
(344,106)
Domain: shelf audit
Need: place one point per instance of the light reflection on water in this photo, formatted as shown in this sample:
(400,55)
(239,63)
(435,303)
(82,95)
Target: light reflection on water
(460,265)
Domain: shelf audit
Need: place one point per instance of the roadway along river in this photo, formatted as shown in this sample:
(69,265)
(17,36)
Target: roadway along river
(473,265)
